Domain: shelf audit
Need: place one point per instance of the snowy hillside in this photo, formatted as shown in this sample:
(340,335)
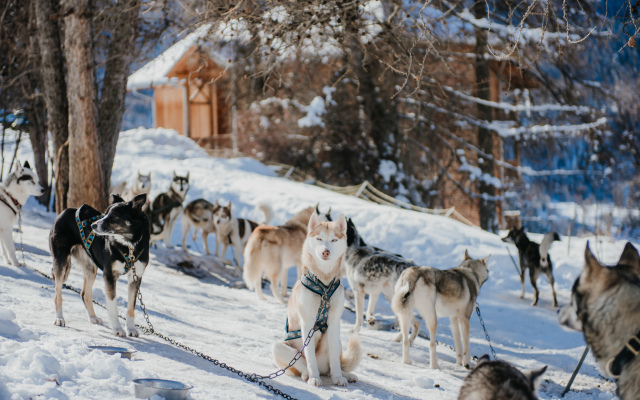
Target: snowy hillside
(40,360)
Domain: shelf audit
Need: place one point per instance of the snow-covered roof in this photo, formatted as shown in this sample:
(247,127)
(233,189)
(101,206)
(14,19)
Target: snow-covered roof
(155,72)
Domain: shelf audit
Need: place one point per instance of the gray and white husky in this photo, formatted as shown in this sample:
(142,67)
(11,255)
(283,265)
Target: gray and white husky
(498,380)
(232,231)
(535,257)
(605,307)
(439,293)
(14,192)
(371,271)
(141,185)
(198,215)
(167,207)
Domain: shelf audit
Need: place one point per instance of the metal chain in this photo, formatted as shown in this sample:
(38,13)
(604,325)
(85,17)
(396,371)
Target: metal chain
(24,261)
(151,331)
(486,334)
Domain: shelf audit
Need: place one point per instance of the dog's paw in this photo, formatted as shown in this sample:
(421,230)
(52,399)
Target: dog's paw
(59,322)
(351,378)
(314,381)
(95,320)
(406,361)
(120,332)
(355,329)
(133,332)
(398,338)
(371,321)
(467,366)
(339,380)
(304,376)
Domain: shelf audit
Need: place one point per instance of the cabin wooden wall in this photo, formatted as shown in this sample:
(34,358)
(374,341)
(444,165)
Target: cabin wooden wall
(169,110)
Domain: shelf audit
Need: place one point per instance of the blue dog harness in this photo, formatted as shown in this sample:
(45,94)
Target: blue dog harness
(88,236)
(314,284)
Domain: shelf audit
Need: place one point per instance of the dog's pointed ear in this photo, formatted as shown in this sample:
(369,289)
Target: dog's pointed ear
(318,209)
(139,201)
(329,211)
(485,260)
(630,256)
(230,204)
(592,267)
(341,222)
(535,376)
(485,358)
(139,174)
(188,173)
(18,166)
(115,198)
(174,174)
(466,255)
(26,164)
(314,221)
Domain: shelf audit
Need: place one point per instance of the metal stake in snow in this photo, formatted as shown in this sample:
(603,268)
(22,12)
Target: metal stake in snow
(575,371)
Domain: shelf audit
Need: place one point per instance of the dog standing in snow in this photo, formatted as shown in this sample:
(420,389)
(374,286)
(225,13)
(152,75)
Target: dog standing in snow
(117,243)
(232,231)
(498,380)
(535,257)
(275,249)
(198,215)
(439,293)
(167,207)
(317,303)
(14,192)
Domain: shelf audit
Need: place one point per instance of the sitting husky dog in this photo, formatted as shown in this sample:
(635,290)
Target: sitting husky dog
(605,306)
(117,243)
(141,185)
(273,250)
(14,192)
(232,231)
(439,293)
(320,288)
(167,207)
(535,257)
(373,271)
(199,215)
(497,380)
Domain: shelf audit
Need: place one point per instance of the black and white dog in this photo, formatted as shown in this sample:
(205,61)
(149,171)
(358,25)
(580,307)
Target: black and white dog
(167,207)
(14,192)
(535,257)
(117,243)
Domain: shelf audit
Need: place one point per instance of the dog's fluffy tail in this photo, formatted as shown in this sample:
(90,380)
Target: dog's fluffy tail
(548,239)
(350,359)
(251,270)
(265,209)
(404,288)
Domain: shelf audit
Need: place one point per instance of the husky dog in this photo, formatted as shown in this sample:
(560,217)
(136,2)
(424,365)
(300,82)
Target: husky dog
(232,231)
(14,192)
(273,250)
(535,257)
(199,215)
(498,380)
(141,185)
(117,243)
(320,288)
(167,207)
(605,306)
(439,293)
(372,271)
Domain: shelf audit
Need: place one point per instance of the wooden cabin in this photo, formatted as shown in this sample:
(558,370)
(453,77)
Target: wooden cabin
(191,89)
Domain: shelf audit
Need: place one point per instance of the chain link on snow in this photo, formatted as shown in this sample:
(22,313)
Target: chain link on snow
(486,334)
(150,330)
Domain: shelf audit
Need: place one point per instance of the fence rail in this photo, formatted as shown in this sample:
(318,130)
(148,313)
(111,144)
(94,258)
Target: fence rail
(368,192)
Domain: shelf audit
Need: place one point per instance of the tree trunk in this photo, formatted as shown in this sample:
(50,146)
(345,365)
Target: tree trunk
(85,155)
(488,218)
(55,95)
(112,99)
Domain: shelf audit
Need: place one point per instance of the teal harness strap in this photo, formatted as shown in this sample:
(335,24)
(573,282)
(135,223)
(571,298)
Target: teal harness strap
(130,259)
(325,292)
(86,240)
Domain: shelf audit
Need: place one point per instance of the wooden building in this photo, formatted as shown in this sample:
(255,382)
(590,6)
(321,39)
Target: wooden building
(191,89)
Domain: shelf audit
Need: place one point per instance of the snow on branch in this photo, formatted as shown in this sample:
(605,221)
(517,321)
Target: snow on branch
(498,127)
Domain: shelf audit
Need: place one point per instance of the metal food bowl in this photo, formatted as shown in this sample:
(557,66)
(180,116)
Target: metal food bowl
(124,353)
(170,390)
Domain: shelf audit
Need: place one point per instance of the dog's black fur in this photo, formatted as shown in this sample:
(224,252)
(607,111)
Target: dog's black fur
(529,255)
(124,219)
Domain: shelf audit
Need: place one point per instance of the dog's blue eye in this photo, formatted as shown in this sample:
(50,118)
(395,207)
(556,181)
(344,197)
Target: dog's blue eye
(319,239)
(334,240)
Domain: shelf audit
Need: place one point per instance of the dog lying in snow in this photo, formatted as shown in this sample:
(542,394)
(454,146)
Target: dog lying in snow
(319,288)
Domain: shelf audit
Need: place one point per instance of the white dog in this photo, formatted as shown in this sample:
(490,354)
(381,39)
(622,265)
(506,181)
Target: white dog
(14,192)
(317,303)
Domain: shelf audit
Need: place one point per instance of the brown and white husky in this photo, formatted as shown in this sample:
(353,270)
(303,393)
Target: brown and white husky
(319,289)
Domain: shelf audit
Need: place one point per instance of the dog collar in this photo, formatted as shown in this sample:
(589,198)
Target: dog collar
(628,352)
(15,202)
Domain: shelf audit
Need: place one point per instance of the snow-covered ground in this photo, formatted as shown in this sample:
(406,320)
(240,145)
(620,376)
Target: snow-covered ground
(40,360)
